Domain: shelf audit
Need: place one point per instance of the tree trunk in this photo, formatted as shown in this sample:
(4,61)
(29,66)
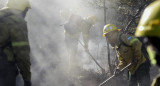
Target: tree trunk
(105,21)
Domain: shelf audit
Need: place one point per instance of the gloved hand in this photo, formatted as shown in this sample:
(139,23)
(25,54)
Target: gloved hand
(117,71)
(27,83)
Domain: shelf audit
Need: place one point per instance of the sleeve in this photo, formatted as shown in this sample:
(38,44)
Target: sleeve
(122,62)
(21,48)
(85,33)
(136,47)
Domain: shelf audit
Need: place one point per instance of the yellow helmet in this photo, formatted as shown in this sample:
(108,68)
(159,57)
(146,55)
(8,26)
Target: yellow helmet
(18,4)
(108,28)
(149,24)
(93,18)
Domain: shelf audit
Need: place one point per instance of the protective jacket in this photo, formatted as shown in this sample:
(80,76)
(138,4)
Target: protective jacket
(129,53)
(85,28)
(14,40)
(76,25)
(72,26)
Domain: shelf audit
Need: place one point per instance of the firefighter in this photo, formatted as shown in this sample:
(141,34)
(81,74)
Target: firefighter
(149,28)
(128,49)
(75,25)
(72,33)
(14,44)
(86,25)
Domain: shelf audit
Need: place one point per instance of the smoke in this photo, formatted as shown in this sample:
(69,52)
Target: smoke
(49,57)
(2,3)
(48,51)
(46,36)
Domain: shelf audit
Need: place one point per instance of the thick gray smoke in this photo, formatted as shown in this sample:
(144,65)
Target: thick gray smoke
(49,56)
(46,35)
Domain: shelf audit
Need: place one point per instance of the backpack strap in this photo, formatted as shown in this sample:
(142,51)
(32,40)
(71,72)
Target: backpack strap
(143,49)
(122,42)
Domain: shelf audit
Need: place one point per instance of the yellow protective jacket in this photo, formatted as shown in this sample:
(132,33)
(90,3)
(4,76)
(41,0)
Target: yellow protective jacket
(85,28)
(130,53)
(14,35)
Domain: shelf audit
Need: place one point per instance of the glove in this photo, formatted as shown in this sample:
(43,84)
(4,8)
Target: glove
(117,71)
(27,83)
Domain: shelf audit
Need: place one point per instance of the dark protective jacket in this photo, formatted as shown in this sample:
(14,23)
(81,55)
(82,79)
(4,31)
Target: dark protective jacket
(132,54)
(14,36)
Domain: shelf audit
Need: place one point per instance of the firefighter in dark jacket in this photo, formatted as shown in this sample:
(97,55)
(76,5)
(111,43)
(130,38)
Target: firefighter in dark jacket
(14,44)
(149,28)
(128,49)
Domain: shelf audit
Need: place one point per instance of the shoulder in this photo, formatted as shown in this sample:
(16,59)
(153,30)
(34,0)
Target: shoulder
(129,39)
(8,15)
(5,12)
(4,9)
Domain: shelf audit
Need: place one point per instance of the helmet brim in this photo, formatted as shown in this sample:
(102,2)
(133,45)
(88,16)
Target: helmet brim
(147,31)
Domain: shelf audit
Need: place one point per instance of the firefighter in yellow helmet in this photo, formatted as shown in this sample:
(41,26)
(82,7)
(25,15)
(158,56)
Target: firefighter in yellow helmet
(14,44)
(72,34)
(149,28)
(75,25)
(128,49)
(86,25)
